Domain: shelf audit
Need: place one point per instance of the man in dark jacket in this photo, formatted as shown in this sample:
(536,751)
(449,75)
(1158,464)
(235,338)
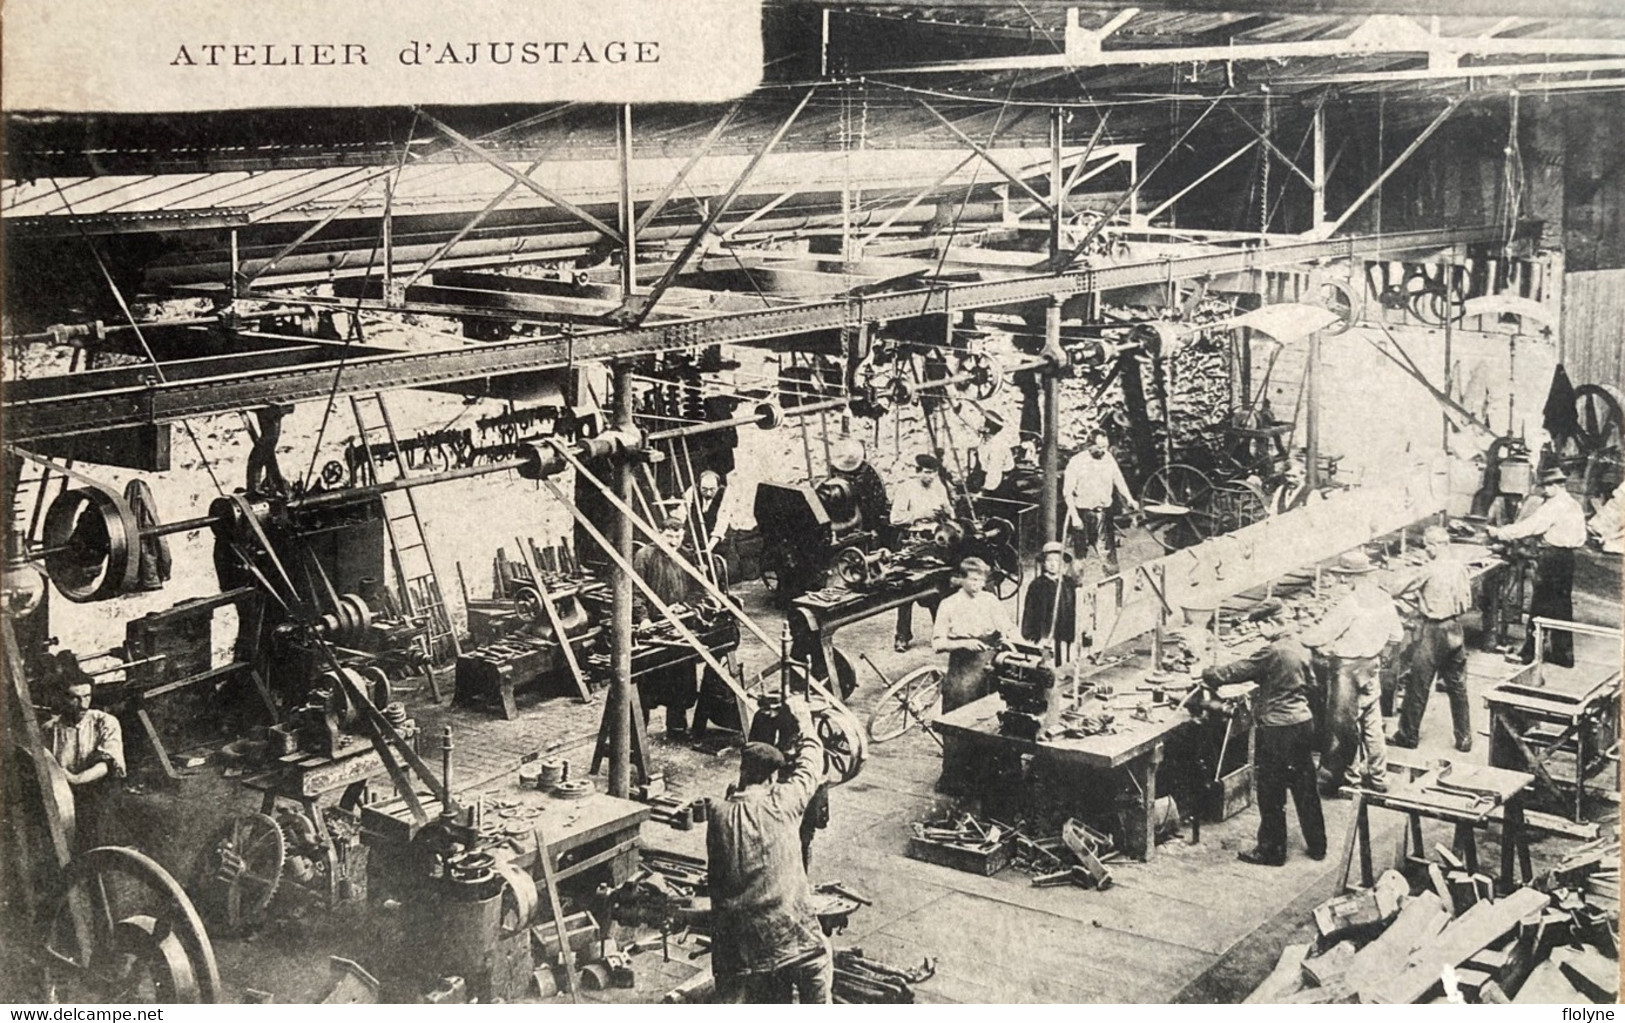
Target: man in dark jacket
(1049,612)
(1285,742)
(766,942)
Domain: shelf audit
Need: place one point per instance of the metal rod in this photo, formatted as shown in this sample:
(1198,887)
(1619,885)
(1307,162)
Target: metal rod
(1371,189)
(528,182)
(981,151)
(696,239)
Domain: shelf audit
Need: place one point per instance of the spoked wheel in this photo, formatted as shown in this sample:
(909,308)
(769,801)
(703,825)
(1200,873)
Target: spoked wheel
(1600,419)
(1174,499)
(124,931)
(915,696)
(239,873)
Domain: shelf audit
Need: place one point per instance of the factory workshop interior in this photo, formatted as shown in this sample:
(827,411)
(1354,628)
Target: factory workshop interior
(983,517)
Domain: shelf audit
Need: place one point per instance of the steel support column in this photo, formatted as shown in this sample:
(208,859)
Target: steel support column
(629,251)
(1057,187)
(1050,444)
(1318,211)
(1311,416)
(622,696)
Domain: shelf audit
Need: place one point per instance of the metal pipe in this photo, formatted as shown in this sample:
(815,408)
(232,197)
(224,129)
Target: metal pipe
(760,417)
(620,706)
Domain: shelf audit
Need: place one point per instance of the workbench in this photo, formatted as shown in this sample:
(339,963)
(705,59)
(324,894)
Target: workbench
(582,834)
(815,617)
(975,756)
(1469,796)
(1560,724)
(308,780)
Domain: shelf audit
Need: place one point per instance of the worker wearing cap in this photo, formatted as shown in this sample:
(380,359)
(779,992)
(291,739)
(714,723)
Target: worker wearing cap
(848,461)
(970,624)
(993,456)
(1354,634)
(919,504)
(672,686)
(1560,523)
(1091,480)
(1285,741)
(1049,612)
(1443,593)
(766,942)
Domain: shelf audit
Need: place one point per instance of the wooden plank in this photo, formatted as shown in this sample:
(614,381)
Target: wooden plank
(1418,922)
(1472,931)
(566,954)
(1283,981)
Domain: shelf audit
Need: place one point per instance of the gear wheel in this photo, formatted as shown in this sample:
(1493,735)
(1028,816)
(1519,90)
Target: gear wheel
(240,871)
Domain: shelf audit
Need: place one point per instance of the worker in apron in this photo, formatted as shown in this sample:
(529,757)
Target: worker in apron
(970,623)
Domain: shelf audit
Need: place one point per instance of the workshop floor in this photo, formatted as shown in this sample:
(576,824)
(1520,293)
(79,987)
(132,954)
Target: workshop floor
(1194,924)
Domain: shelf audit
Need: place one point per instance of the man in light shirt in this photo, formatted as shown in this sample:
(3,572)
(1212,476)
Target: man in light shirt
(993,457)
(1354,634)
(970,624)
(1444,592)
(1091,479)
(1560,523)
(919,504)
(89,746)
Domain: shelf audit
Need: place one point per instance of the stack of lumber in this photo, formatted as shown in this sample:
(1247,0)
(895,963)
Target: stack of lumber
(1455,940)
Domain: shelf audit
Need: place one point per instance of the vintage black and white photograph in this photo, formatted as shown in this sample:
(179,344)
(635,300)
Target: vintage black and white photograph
(929,501)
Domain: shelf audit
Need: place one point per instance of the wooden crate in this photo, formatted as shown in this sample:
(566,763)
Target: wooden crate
(1229,795)
(986,862)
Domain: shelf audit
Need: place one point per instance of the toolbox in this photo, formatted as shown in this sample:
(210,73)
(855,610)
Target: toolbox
(987,859)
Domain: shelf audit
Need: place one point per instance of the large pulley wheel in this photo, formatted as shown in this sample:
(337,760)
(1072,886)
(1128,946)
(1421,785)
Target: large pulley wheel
(1174,500)
(1340,298)
(845,743)
(519,898)
(980,376)
(124,931)
(527,604)
(93,545)
(239,873)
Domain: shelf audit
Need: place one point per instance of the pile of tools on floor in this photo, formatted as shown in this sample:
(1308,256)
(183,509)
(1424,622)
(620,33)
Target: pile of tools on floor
(860,980)
(1552,941)
(1074,855)
(1077,855)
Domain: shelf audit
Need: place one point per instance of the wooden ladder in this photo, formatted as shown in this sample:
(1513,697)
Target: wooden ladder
(415,576)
